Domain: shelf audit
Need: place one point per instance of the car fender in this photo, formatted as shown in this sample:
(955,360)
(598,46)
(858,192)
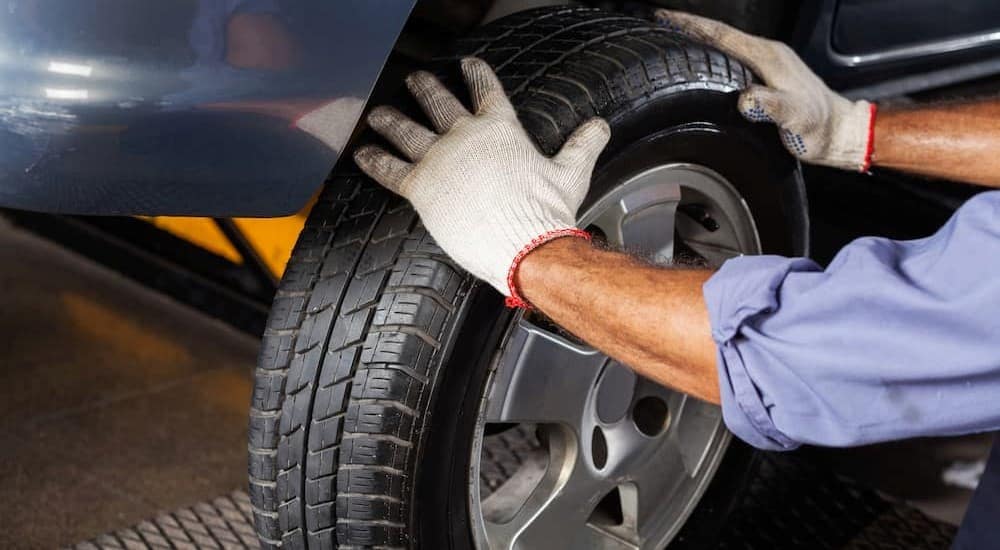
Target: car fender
(186,107)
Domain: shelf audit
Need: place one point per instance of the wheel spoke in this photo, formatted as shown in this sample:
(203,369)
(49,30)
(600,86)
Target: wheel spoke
(699,423)
(643,219)
(551,528)
(561,515)
(504,503)
(543,377)
(657,480)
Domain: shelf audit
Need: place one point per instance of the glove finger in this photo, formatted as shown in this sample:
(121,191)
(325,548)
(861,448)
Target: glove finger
(584,145)
(383,167)
(579,155)
(440,105)
(748,49)
(412,139)
(763,104)
(484,87)
(794,142)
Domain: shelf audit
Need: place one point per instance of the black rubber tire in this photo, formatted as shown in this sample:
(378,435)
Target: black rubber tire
(377,346)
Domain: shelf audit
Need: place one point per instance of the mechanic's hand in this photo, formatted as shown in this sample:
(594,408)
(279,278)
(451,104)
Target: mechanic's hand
(817,125)
(482,188)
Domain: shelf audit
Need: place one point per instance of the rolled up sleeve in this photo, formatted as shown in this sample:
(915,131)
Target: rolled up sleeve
(893,339)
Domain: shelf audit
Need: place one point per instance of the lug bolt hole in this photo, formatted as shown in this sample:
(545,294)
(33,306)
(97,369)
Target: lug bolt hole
(598,448)
(651,416)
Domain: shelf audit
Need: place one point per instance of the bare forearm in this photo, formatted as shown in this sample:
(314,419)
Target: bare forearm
(958,142)
(652,319)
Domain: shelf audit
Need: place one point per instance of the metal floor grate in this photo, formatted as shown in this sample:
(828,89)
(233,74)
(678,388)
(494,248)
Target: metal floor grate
(223,523)
(792,503)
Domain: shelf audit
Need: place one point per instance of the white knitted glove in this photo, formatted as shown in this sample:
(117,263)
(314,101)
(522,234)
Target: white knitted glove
(817,125)
(482,188)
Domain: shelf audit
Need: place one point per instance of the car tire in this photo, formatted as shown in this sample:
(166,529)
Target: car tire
(378,347)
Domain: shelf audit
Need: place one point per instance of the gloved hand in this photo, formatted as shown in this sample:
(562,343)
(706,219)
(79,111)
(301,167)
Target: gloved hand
(817,125)
(482,188)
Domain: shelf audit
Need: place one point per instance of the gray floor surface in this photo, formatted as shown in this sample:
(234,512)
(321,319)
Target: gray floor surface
(115,403)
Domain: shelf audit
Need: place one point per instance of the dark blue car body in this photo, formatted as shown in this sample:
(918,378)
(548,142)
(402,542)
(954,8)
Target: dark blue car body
(188,107)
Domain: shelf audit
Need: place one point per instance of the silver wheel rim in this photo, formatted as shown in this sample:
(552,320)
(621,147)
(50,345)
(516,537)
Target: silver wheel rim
(622,462)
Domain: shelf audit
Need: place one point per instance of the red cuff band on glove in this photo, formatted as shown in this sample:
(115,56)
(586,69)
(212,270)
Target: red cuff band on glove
(515,300)
(870,148)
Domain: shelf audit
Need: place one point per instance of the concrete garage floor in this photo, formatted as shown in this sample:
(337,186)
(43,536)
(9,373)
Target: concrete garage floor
(115,402)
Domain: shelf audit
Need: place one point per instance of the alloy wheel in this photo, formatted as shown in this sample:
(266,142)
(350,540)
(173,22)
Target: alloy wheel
(572,449)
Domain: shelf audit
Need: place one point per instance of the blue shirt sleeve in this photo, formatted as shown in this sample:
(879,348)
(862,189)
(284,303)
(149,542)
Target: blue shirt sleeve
(894,339)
